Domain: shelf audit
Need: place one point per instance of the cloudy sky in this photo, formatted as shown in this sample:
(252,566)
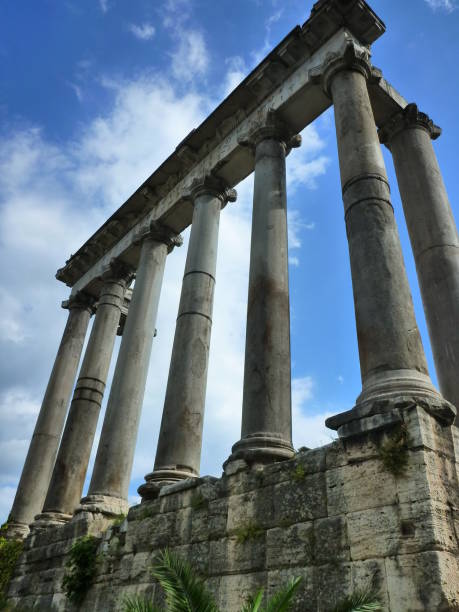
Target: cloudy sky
(94,95)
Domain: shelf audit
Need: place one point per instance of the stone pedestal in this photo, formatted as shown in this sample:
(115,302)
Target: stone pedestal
(178,454)
(69,472)
(433,236)
(266,432)
(392,359)
(41,455)
(108,490)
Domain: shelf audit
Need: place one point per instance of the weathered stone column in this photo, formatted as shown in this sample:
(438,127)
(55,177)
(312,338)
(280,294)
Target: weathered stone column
(266,432)
(433,236)
(69,472)
(392,360)
(39,462)
(108,490)
(178,453)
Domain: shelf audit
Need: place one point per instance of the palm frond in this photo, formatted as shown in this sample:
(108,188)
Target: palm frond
(138,604)
(365,600)
(281,601)
(254,603)
(184,591)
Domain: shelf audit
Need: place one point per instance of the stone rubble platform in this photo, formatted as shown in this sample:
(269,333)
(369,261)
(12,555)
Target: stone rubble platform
(333,515)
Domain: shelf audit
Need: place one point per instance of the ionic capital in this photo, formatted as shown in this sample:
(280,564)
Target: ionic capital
(158,232)
(407,119)
(272,128)
(214,186)
(80,300)
(118,271)
(352,57)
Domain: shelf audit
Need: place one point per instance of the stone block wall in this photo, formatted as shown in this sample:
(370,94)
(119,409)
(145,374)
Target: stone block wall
(333,515)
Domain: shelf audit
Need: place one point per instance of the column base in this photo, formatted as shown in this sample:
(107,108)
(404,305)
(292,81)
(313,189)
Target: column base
(163,477)
(103,504)
(45,520)
(13,530)
(381,413)
(261,448)
(394,383)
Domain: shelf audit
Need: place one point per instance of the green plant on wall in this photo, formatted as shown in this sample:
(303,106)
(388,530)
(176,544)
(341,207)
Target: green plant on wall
(10,551)
(81,567)
(186,592)
(393,451)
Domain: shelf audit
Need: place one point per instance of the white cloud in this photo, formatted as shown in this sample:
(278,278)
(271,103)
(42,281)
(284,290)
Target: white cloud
(295,227)
(308,429)
(144,31)
(305,165)
(294,261)
(236,72)
(446,5)
(104,5)
(191,58)
(77,91)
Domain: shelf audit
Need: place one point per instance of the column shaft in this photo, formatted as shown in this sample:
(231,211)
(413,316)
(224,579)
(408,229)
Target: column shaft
(71,465)
(434,241)
(178,453)
(266,431)
(390,347)
(108,490)
(43,447)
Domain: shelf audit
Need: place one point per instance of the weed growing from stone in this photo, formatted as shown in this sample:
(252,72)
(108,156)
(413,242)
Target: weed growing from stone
(81,567)
(393,452)
(198,501)
(118,520)
(10,551)
(252,531)
(299,473)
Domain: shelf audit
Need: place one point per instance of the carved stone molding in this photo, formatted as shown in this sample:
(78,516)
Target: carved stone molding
(160,233)
(408,118)
(80,300)
(215,186)
(353,57)
(272,127)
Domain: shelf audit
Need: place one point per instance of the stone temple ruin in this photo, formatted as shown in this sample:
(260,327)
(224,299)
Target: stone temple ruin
(340,515)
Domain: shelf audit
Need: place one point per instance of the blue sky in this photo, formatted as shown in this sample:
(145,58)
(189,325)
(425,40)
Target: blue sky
(94,95)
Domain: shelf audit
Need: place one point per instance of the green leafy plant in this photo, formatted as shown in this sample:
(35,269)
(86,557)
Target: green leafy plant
(82,564)
(299,473)
(279,602)
(185,592)
(252,531)
(118,520)
(10,551)
(138,604)
(393,452)
(364,600)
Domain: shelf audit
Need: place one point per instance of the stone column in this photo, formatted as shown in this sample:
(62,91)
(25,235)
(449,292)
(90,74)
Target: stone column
(43,447)
(392,360)
(433,236)
(69,472)
(266,432)
(178,453)
(108,490)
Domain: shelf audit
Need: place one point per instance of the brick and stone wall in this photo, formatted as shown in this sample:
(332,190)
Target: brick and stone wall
(334,515)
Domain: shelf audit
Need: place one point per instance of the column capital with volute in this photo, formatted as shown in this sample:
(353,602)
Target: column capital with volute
(352,57)
(212,185)
(158,232)
(409,117)
(272,127)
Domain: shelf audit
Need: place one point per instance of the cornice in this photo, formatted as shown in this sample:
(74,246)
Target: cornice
(327,17)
